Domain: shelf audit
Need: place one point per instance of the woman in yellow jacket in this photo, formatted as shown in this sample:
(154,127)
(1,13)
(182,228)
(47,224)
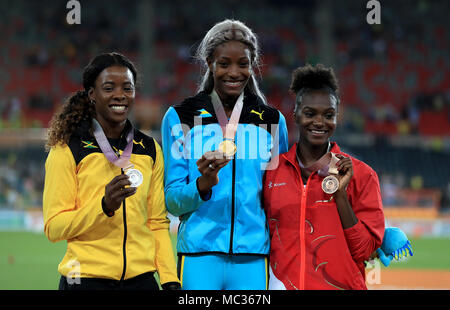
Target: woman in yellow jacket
(104,187)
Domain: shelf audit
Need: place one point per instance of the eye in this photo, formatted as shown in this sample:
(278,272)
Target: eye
(329,115)
(308,114)
(223,64)
(244,64)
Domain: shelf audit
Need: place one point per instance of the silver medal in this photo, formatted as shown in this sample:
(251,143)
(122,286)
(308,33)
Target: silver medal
(135,177)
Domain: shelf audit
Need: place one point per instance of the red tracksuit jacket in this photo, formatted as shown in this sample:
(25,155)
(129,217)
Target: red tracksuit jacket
(309,248)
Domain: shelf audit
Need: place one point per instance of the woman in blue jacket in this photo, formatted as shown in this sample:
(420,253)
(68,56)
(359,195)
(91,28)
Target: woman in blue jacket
(217,145)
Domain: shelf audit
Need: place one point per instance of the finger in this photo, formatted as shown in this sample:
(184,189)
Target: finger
(220,166)
(121,194)
(217,164)
(397,254)
(409,247)
(127,192)
(204,165)
(220,162)
(121,184)
(118,178)
(213,155)
(207,157)
(345,168)
(343,160)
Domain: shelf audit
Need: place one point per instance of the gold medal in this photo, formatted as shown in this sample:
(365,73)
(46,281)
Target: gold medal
(330,184)
(228,148)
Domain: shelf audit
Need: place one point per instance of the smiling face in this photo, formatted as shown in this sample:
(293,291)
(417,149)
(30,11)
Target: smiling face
(231,68)
(113,95)
(316,118)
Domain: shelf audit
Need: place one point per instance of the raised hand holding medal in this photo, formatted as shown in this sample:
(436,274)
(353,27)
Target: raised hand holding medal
(345,171)
(115,191)
(211,162)
(124,160)
(330,184)
(340,172)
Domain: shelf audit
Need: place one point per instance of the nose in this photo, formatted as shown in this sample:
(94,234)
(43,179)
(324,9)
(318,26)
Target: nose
(119,95)
(318,121)
(234,72)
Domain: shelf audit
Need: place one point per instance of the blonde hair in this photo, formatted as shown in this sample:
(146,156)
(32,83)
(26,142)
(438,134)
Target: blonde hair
(225,31)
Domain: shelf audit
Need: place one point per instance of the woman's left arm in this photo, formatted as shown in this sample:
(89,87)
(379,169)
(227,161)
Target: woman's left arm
(159,223)
(360,209)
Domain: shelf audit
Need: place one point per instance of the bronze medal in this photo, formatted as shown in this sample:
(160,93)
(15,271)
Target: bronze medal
(330,184)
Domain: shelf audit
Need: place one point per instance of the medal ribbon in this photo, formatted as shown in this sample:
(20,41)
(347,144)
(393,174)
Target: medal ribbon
(124,160)
(229,127)
(328,160)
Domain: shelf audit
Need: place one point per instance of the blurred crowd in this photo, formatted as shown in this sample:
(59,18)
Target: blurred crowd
(394,77)
(21,178)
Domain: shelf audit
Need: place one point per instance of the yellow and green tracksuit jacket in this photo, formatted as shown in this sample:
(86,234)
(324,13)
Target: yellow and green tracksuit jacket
(133,241)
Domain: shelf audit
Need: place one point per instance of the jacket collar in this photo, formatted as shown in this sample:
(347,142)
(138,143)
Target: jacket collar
(249,98)
(85,129)
(291,155)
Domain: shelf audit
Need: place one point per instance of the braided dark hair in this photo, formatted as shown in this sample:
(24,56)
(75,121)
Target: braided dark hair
(222,32)
(78,107)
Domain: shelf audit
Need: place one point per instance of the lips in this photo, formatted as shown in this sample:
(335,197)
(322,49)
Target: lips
(318,132)
(234,84)
(119,108)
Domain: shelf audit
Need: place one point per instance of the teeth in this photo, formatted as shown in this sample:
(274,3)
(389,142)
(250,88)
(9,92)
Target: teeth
(318,131)
(233,83)
(118,107)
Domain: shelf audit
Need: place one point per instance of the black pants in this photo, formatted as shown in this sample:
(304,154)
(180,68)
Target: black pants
(145,281)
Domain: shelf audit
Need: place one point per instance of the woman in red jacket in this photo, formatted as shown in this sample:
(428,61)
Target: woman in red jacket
(323,206)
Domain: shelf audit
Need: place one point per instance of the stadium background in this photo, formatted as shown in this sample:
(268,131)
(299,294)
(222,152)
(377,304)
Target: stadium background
(394,88)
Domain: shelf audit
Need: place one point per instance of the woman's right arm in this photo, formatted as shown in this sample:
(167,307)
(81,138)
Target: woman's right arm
(181,192)
(63,217)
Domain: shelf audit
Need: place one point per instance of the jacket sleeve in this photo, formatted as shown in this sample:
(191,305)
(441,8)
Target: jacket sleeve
(64,218)
(280,143)
(181,193)
(366,235)
(283,135)
(159,223)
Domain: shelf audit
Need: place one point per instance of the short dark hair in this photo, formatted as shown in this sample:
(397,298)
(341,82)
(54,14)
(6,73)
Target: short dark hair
(309,78)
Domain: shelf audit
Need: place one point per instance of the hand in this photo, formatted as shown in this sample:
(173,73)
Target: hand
(209,166)
(345,168)
(116,192)
(171,286)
